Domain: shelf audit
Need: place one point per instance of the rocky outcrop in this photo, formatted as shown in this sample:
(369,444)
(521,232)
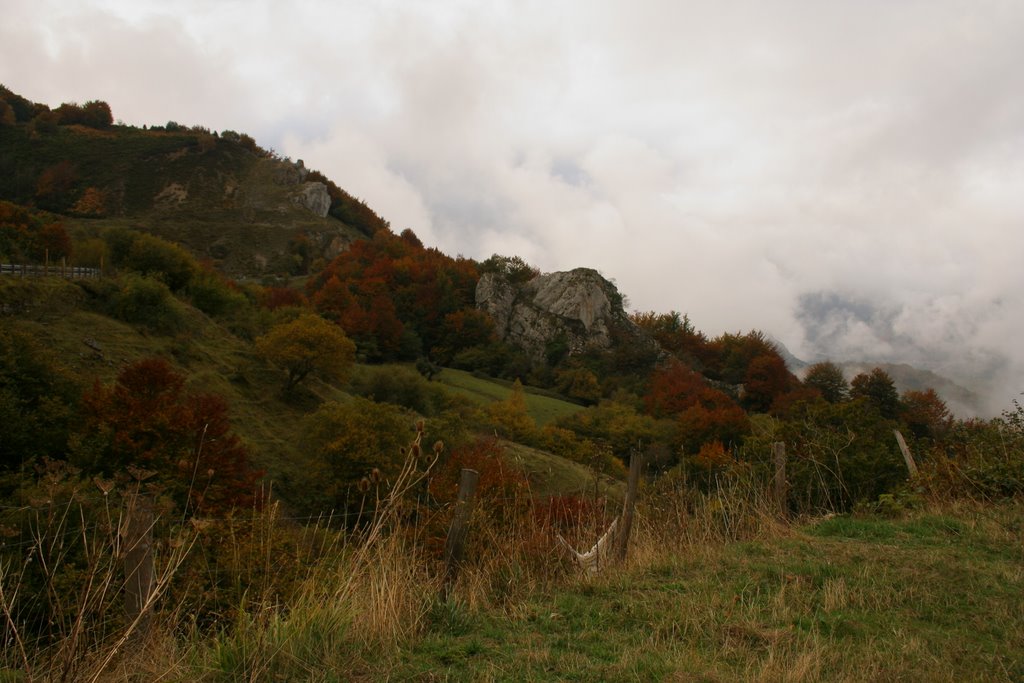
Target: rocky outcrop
(314,196)
(576,310)
(172,196)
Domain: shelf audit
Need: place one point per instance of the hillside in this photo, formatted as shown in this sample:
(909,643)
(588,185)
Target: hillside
(90,345)
(222,196)
(290,401)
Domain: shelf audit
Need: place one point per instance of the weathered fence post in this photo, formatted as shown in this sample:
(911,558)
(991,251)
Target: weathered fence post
(138,563)
(622,541)
(907,457)
(779,484)
(453,546)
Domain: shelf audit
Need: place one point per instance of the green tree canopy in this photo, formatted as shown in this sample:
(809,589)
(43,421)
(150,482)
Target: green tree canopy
(350,440)
(827,377)
(878,388)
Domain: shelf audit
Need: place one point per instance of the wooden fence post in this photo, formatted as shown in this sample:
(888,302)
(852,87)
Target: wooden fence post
(622,541)
(138,563)
(907,457)
(779,484)
(453,546)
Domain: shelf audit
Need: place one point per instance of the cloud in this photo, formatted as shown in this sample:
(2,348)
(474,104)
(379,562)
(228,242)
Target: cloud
(845,176)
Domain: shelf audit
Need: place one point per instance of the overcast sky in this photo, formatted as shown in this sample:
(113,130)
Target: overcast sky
(847,176)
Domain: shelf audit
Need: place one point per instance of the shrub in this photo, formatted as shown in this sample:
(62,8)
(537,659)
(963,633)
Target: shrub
(839,454)
(145,301)
(400,386)
(91,252)
(148,420)
(619,427)
(213,295)
(38,401)
(510,418)
(349,441)
(502,491)
(155,257)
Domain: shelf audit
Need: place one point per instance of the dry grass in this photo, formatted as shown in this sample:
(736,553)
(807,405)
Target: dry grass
(715,588)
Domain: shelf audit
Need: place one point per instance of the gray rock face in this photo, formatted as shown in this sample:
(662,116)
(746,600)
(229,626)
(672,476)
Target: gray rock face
(579,308)
(496,295)
(314,197)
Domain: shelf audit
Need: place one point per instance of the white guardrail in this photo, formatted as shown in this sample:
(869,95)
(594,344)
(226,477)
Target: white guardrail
(53,270)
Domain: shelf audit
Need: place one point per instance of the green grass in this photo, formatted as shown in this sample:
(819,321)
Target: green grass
(927,598)
(552,475)
(216,361)
(543,409)
(212,359)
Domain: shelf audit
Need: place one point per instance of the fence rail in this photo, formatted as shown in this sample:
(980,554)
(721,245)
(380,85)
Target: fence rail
(50,270)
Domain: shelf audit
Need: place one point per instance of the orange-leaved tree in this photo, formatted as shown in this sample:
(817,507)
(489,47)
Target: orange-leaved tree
(510,418)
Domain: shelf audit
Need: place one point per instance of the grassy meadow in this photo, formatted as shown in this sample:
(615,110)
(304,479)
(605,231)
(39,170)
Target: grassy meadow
(931,595)
(544,409)
(934,596)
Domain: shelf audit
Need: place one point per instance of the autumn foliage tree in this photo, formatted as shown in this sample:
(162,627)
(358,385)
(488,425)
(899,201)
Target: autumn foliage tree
(309,344)
(925,413)
(27,237)
(18,231)
(727,358)
(702,412)
(510,417)
(148,420)
(673,388)
(92,203)
(393,297)
(94,114)
(349,441)
(55,183)
(766,379)
(675,333)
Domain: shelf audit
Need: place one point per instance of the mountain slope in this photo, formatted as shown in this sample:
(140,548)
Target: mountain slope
(221,196)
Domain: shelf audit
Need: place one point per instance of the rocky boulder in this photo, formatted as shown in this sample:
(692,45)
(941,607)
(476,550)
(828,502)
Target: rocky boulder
(314,196)
(578,308)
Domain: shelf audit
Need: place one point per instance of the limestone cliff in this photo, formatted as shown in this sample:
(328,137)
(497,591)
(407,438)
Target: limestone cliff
(578,308)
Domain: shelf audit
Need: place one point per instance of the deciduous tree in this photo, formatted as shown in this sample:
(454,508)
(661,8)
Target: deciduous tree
(925,413)
(349,440)
(766,379)
(148,420)
(308,344)
(828,379)
(878,388)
